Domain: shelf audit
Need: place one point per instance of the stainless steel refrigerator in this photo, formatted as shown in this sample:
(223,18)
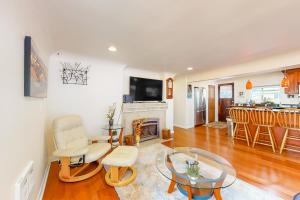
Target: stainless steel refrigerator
(200,105)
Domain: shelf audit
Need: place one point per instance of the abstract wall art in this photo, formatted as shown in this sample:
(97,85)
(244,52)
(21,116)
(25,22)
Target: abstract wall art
(35,71)
(74,73)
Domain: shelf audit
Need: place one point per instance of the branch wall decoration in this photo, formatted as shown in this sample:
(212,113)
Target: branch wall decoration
(74,74)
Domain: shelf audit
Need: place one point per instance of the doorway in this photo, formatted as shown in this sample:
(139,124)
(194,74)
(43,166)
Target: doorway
(199,105)
(225,99)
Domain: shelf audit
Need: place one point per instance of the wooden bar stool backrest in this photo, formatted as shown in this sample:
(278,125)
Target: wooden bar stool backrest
(239,115)
(263,117)
(289,118)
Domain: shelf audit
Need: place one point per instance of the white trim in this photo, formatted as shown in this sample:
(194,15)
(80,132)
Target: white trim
(181,126)
(43,183)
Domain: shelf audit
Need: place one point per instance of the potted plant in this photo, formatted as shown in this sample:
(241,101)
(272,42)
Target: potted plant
(111,113)
(114,132)
(193,170)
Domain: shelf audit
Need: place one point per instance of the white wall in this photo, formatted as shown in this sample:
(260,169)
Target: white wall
(264,65)
(91,102)
(180,102)
(22,118)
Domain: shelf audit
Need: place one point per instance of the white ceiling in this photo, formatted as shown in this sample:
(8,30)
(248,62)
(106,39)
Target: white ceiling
(171,35)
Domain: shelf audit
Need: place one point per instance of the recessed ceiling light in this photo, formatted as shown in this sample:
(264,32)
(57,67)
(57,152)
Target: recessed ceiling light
(189,68)
(112,49)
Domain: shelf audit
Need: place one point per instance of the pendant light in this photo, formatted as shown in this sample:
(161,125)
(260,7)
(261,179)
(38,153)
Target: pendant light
(249,85)
(285,81)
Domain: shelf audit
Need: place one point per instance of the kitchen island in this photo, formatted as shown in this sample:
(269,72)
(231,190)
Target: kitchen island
(277,130)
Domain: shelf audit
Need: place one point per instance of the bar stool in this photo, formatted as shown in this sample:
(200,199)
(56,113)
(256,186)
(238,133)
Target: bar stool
(290,120)
(240,117)
(263,118)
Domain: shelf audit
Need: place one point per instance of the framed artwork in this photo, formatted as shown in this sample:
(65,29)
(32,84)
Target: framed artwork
(189,91)
(241,94)
(35,72)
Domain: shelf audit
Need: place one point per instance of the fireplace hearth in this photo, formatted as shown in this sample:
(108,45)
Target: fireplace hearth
(149,128)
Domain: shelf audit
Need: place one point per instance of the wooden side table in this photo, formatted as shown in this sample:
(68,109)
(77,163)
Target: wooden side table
(166,134)
(129,140)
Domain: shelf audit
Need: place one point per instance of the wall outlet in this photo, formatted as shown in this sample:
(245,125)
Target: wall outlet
(25,183)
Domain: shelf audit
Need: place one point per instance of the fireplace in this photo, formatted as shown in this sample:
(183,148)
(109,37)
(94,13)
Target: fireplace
(149,128)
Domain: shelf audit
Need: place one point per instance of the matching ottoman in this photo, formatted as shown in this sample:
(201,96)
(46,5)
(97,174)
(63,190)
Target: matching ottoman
(120,161)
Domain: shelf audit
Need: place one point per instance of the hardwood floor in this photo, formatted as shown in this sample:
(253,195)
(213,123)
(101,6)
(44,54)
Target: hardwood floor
(279,174)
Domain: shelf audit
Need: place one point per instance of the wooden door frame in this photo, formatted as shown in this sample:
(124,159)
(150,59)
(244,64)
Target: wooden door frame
(211,112)
(194,102)
(219,85)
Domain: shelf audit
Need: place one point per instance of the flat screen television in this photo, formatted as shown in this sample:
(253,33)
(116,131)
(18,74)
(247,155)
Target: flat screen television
(142,89)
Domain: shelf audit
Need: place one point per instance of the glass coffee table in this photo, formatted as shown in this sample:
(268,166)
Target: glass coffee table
(197,173)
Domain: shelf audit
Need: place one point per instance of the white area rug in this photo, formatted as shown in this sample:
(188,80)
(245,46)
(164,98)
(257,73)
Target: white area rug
(151,185)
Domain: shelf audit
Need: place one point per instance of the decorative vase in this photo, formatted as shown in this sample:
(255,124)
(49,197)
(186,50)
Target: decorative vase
(137,138)
(193,171)
(193,179)
(111,122)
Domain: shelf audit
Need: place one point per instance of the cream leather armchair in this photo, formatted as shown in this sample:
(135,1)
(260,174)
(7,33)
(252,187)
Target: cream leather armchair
(74,150)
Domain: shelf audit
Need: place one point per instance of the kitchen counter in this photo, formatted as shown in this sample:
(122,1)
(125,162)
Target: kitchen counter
(275,109)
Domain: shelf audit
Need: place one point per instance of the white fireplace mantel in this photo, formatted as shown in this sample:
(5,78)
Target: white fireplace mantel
(133,111)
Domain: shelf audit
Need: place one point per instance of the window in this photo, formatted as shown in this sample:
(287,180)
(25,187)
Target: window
(265,93)
(225,91)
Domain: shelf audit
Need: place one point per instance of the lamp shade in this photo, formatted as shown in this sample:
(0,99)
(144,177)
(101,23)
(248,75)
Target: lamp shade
(285,82)
(249,85)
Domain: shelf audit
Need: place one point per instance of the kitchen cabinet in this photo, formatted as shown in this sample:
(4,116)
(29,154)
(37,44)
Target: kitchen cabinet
(293,76)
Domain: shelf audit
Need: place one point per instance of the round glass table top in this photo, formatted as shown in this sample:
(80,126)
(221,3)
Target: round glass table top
(113,127)
(196,168)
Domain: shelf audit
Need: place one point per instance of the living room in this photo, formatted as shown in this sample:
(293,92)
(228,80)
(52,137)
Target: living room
(130,100)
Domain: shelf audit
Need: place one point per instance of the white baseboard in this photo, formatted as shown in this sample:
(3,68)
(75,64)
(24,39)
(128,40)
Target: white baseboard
(179,126)
(183,126)
(43,183)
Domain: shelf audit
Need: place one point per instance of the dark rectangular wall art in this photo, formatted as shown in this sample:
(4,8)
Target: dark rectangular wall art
(35,72)
(189,91)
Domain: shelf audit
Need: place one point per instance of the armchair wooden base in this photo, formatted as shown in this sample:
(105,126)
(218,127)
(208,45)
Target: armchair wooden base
(114,175)
(68,175)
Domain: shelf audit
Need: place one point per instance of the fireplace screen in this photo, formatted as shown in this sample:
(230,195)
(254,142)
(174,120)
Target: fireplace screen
(149,128)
